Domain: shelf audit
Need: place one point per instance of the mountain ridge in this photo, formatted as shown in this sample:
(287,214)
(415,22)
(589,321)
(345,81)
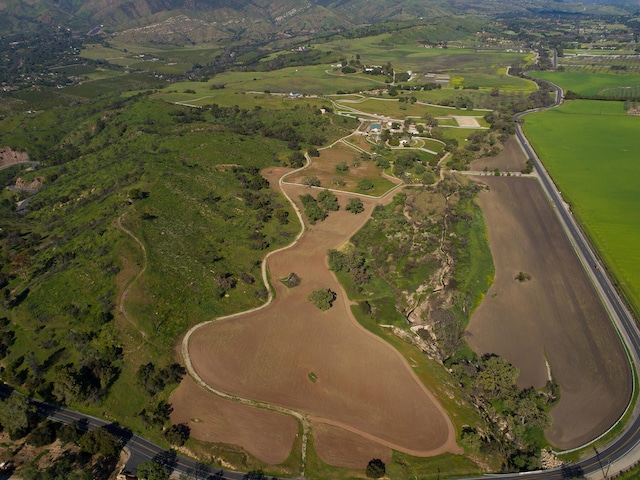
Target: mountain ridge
(209,20)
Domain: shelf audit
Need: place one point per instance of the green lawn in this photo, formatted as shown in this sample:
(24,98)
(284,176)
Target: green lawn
(591,150)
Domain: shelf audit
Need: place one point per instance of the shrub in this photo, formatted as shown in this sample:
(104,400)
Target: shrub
(342,167)
(291,280)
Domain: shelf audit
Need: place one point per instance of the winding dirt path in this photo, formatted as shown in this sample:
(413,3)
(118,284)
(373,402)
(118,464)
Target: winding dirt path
(122,295)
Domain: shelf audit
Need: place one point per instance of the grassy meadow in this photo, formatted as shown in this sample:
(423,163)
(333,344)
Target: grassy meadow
(591,150)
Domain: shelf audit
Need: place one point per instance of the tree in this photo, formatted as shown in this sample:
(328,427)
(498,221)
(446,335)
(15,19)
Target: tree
(69,433)
(497,377)
(67,387)
(365,184)
(177,434)
(375,468)
(100,441)
(342,167)
(354,205)
(328,201)
(17,415)
(323,299)
(42,435)
(151,470)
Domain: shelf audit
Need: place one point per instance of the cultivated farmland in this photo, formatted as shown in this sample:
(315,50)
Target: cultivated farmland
(551,324)
(601,84)
(591,150)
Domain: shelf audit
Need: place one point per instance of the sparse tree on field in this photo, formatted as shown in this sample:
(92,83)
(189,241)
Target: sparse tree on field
(376,468)
(355,205)
(328,201)
(323,299)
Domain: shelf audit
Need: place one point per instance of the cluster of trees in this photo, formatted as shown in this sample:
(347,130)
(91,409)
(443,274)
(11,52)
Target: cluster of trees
(353,261)
(513,417)
(317,209)
(302,124)
(412,169)
(153,381)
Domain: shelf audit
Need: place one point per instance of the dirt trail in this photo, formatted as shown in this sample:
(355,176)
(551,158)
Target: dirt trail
(122,295)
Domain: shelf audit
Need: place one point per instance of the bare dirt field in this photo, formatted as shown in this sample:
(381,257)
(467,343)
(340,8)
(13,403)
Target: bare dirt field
(9,156)
(331,443)
(510,159)
(323,363)
(468,122)
(266,435)
(555,315)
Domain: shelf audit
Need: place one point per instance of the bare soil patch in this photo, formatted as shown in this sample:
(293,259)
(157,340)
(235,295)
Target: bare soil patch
(555,315)
(467,122)
(362,384)
(9,156)
(266,435)
(510,159)
(332,442)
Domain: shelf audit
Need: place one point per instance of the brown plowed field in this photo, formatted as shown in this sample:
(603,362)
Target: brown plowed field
(510,159)
(266,435)
(557,314)
(331,443)
(363,385)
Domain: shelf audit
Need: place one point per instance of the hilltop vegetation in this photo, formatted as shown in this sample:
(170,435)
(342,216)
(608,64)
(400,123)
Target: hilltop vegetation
(187,184)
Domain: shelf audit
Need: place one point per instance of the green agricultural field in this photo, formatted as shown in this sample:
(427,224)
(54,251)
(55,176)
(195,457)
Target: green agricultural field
(315,79)
(588,83)
(591,150)
(394,108)
(497,79)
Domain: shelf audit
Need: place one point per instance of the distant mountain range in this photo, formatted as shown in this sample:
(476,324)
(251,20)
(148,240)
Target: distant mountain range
(207,20)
